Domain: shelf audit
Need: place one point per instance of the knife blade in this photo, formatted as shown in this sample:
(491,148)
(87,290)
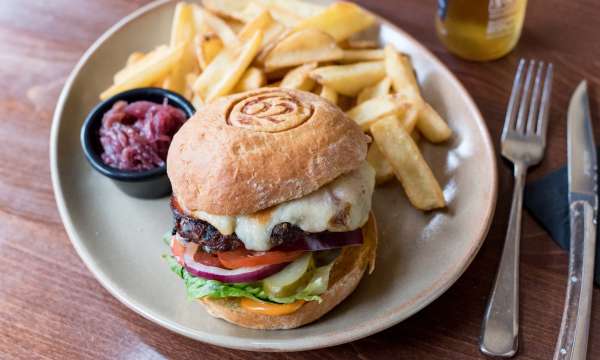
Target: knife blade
(581,148)
(583,201)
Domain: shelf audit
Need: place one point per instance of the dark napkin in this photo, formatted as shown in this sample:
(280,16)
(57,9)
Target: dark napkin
(547,200)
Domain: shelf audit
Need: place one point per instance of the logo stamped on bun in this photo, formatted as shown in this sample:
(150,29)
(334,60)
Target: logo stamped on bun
(270,112)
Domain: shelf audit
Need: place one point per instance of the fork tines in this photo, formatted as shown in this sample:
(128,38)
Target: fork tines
(532,100)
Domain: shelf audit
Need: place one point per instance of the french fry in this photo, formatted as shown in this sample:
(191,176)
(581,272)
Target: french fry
(340,20)
(329,94)
(133,65)
(272,35)
(409,118)
(400,71)
(370,111)
(282,16)
(299,78)
(282,34)
(221,75)
(190,79)
(207,47)
(253,78)
(183,27)
(182,33)
(201,27)
(359,44)
(147,73)
(251,11)
(264,21)
(293,8)
(285,18)
(279,12)
(410,168)
(380,89)
(432,126)
(261,22)
(158,83)
(197,101)
(287,12)
(362,55)
(165,83)
(218,25)
(235,25)
(383,169)
(227,8)
(302,47)
(135,57)
(350,79)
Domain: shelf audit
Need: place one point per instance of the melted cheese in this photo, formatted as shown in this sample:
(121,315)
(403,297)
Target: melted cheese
(342,205)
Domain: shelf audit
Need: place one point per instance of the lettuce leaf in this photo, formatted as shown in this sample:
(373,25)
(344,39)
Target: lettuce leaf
(198,287)
(166,238)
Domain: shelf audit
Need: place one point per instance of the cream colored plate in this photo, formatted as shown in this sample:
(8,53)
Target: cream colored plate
(420,255)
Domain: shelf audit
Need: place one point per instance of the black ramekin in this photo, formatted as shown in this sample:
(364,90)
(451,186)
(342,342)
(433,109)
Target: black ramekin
(147,184)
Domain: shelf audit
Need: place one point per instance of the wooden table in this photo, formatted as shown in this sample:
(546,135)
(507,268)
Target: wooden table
(52,307)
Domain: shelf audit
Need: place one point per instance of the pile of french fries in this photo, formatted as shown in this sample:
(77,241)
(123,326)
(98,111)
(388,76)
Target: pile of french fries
(230,46)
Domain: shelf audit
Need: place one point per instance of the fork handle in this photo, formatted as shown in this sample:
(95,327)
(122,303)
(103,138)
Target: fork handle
(500,328)
(574,329)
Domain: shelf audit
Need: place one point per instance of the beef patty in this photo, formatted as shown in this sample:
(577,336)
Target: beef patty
(212,241)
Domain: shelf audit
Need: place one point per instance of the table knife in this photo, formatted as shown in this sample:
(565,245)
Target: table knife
(583,200)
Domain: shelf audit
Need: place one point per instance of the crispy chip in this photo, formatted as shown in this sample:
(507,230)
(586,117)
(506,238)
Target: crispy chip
(370,111)
(207,47)
(383,170)
(340,20)
(350,79)
(218,25)
(147,73)
(253,78)
(299,78)
(224,72)
(329,94)
(380,89)
(410,168)
(301,47)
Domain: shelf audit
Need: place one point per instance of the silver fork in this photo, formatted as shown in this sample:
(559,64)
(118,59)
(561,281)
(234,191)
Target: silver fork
(523,143)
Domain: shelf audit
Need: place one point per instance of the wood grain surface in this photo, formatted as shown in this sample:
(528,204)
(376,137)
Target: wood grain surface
(52,308)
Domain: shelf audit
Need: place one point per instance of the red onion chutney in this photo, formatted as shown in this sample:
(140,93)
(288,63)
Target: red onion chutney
(137,136)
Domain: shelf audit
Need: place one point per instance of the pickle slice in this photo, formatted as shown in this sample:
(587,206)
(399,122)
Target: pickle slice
(293,277)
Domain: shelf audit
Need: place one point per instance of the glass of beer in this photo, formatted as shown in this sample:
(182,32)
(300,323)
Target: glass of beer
(480,30)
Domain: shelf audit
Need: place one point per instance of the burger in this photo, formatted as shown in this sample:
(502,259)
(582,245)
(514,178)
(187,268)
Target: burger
(272,206)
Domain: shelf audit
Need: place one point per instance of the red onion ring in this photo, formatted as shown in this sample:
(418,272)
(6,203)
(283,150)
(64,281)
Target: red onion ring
(241,275)
(322,241)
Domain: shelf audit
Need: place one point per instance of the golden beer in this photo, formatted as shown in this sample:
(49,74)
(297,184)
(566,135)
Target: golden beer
(480,29)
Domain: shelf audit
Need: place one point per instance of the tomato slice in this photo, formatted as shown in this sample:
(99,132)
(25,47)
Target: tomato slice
(243,258)
(177,249)
(207,259)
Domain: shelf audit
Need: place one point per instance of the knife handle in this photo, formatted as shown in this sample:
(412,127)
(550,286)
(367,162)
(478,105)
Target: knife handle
(574,329)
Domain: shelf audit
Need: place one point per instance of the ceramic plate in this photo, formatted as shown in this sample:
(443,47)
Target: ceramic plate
(420,254)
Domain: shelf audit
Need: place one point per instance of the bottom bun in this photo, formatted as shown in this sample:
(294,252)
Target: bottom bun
(346,273)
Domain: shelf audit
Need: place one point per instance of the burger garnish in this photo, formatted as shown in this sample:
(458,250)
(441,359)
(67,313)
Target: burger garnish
(271,199)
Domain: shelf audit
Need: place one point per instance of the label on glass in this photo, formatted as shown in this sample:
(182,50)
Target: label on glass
(442,9)
(502,17)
